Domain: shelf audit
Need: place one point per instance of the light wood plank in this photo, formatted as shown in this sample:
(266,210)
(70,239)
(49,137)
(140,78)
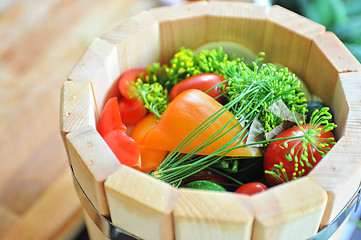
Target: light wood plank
(100,66)
(288,39)
(243,23)
(289,211)
(212,215)
(350,85)
(327,58)
(339,173)
(181,26)
(141,204)
(92,162)
(77,107)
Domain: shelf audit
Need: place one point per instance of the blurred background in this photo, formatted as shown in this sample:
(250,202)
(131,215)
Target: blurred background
(343,17)
(40,42)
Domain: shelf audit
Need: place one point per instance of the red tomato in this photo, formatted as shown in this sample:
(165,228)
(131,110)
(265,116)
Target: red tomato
(110,119)
(124,147)
(203,82)
(151,158)
(131,111)
(286,170)
(128,77)
(251,188)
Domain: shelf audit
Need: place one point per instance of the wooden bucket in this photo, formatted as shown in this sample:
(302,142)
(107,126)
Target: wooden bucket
(150,209)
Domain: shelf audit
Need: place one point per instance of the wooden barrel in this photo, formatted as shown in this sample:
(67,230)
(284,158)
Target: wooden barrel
(151,209)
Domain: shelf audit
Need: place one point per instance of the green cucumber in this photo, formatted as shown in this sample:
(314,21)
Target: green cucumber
(204,185)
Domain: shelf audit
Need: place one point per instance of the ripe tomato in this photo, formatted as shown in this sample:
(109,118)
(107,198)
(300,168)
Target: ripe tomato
(151,158)
(303,155)
(128,77)
(203,82)
(251,188)
(110,119)
(131,111)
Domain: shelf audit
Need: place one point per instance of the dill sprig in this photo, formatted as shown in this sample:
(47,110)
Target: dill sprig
(185,64)
(154,96)
(263,84)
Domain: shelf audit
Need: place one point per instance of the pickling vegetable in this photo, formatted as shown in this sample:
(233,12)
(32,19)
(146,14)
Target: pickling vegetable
(209,83)
(113,131)
(184,114)
(251,188)
(151,158)
(298,149)
(205,185)
(204,112)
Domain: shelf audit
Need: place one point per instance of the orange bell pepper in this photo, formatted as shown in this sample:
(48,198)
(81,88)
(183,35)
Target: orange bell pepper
(151,158)
(184,114)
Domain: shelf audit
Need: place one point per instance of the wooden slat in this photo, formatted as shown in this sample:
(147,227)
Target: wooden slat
(141,204)
(181,26)
(340,174)
(92,162)
(212,215)
(288,39)
(289,211)
(328,57)
(100,66)
(243,23)
(77,107)
(138,39)
(350,85)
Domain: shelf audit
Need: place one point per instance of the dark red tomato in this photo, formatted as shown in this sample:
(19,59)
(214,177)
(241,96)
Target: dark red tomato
(203,82)
(206,174)
(129,76)
(131,111)
(124,148)
(251,188)
(287,169)
(110,119)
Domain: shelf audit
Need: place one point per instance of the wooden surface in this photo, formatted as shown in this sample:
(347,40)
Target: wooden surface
(40,43)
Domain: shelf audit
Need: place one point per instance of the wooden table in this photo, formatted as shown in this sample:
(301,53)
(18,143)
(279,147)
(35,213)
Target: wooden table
(40,41)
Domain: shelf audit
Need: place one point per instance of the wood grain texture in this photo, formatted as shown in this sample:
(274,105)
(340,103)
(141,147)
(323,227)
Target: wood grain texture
(289,211)
(239,22)
(40,43)
(135,197)
(327,58)
(340,174)
(77,107)
(212,215)
(180,26)
(92,162)
(99,66)
(350,83)
(288,38)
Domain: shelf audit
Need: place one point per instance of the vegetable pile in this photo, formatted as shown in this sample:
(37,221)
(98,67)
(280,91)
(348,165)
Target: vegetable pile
(210,121)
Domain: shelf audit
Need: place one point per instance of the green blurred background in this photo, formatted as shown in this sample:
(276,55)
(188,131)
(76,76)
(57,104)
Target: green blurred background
(343,17)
